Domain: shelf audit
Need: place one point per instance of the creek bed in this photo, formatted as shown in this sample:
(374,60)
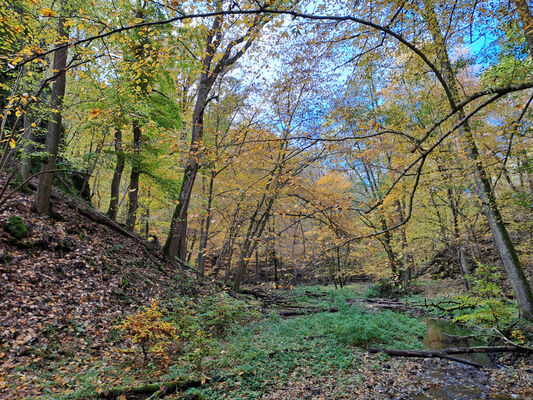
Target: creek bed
(454,380)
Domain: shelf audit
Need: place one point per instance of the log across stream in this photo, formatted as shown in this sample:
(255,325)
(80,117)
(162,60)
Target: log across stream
(462,378)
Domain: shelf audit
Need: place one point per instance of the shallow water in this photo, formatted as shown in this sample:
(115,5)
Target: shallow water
(441,334)
(458,381)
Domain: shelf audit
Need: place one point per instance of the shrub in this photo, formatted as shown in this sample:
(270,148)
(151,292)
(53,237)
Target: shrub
(385,327)
(220,313)
(147,330)
(16,227)
(385,287)
(490,307)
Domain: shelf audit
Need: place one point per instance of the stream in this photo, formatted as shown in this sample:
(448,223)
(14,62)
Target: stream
(455,380)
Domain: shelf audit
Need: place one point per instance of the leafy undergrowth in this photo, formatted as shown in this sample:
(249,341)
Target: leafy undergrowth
(65,282)
(84,309)
(221,336)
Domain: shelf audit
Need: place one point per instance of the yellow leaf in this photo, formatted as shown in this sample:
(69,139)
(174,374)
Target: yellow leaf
(55,110)
(12,143)
(46,12)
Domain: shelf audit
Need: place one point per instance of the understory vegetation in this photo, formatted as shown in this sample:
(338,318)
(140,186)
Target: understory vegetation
(229,338)
(266,199)
(234,348)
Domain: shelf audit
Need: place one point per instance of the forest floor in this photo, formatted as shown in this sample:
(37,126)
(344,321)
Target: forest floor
(66,286)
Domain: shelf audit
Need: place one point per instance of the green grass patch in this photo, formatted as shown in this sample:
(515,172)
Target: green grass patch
(221,336)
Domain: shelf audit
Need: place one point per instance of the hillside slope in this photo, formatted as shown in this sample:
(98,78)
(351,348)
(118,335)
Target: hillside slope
(64,285)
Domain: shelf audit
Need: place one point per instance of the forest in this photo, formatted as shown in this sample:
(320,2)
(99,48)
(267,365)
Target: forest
(266,199)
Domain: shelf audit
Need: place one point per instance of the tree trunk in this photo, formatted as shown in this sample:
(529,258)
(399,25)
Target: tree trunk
(176,240)
(508,255)
(44,190)
(524,14)
(256,227)
(257,268)
(25,168)
(133,196)
(408,262)
(145,223)
(117,176)
(205,234)
(461,257)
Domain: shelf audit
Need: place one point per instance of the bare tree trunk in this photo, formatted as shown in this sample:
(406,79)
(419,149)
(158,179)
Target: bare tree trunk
(145,222)
(339,269)
(117,176)
(461,257)
(257,225)
(25,168)
(133,196)
(176,240)
(408,262)
(257,268)
(44,189)
(508,255)
(205,233)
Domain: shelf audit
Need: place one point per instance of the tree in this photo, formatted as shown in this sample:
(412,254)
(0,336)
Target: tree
(505,246)
(215,63)
(44,189)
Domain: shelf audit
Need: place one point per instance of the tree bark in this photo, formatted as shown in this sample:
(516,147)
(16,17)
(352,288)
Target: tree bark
(445,353)
(524,14)
(205,233)
(42,199)
(258,221)
(133,195)
(461,257)
(408,262)
(117,176)
(176,240)
(507,252)
(25,168)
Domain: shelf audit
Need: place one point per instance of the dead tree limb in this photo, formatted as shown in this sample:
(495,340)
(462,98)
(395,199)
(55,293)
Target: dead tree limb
(157,390)
(445,353)
(305,311)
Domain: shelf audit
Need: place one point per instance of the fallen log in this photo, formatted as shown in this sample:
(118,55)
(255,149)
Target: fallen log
(157,390)
(162,388)
(445,353)
(452,350)
(424,354)
(305,311)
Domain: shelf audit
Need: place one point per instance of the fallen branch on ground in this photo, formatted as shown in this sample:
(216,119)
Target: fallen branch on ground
(305,311)
(158,390)
(441,307)
(445,353)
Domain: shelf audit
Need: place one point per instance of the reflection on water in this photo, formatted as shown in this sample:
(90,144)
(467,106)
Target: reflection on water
(442,334)
(458,381)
